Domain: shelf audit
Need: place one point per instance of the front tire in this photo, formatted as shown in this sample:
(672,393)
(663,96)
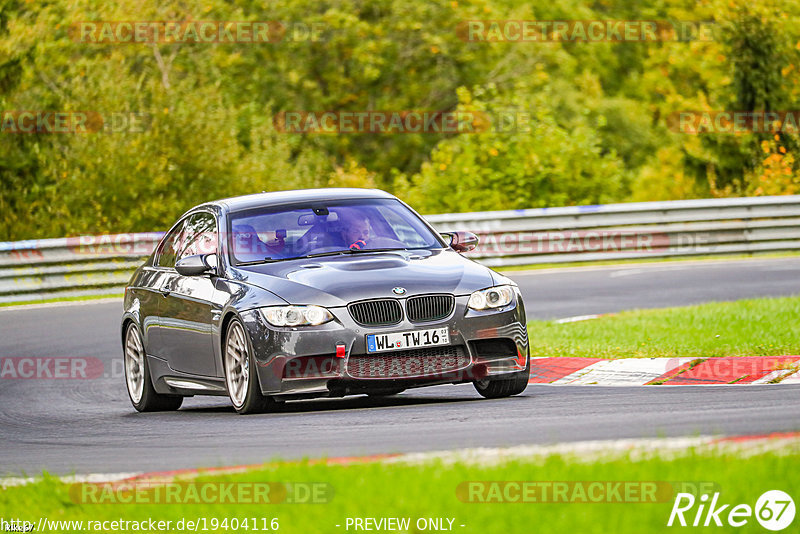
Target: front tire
(137,377)
(240,376)
(499,388)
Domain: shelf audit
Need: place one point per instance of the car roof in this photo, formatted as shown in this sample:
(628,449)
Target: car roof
(276,198)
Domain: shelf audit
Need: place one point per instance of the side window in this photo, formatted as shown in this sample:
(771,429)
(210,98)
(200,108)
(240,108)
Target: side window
(196,234)
(200,236)
(170,247)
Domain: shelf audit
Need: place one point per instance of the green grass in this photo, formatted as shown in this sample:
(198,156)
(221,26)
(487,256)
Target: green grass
(622,263)
(430,490)
(755,327)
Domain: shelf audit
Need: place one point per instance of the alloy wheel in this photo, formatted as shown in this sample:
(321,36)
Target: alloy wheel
(134,363)
(237,364)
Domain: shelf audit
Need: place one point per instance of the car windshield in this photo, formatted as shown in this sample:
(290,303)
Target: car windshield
(326,228)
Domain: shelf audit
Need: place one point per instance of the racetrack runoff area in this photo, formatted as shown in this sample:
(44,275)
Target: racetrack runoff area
(751,342)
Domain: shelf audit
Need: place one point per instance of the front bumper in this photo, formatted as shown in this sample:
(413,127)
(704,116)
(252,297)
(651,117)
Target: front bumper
(303,362)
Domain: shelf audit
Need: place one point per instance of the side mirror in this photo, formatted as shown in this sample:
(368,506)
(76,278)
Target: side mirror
(462,241)
(196,265)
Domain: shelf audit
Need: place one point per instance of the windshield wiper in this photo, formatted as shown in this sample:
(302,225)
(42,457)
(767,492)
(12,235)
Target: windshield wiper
(363,250)
(256,262)
(351,251)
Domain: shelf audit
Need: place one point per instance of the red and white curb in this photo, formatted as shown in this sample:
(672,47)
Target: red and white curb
(581,451)
(665,371)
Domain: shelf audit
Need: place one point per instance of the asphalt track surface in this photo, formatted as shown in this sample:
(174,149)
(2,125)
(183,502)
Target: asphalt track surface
(84,426)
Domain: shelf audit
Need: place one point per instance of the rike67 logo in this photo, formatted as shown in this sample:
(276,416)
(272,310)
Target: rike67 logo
(774,510)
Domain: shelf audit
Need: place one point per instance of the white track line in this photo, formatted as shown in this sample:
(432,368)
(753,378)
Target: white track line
(576,318)
(655,264)
(61,304)
(69,479)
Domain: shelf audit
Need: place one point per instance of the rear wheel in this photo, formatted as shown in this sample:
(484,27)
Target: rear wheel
(240,376)
(137,377)
(504,387)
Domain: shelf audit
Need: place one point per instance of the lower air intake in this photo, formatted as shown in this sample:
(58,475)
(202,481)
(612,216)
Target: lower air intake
(408,363)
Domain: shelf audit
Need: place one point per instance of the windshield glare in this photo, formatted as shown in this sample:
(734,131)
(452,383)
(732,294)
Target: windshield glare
(283,233)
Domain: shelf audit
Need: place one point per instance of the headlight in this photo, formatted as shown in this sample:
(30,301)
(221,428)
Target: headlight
(494,297)
(296,315)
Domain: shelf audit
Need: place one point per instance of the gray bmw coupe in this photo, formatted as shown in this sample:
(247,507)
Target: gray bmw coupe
(316,293)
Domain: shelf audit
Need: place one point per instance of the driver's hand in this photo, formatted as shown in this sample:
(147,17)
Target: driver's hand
(358,245)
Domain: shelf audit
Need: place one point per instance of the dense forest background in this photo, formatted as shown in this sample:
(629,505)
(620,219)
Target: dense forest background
(599,129)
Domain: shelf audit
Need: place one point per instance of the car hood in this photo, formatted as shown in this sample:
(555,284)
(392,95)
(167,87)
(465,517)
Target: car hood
(336,280)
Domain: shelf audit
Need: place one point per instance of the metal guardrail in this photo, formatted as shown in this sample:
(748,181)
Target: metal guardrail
(38,269)
(71,266)
(632,231)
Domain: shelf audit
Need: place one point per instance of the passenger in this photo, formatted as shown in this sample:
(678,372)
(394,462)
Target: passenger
(246,244)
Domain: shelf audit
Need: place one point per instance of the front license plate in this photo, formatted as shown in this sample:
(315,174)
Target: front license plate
(408,340)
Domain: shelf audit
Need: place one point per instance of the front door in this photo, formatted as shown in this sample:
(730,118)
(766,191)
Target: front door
(186,307)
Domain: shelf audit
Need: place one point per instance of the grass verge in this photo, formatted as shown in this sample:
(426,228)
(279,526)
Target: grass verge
(432,490)
(753,327)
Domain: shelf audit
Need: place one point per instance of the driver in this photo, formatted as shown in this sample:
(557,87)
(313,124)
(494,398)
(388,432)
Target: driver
(354,229)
